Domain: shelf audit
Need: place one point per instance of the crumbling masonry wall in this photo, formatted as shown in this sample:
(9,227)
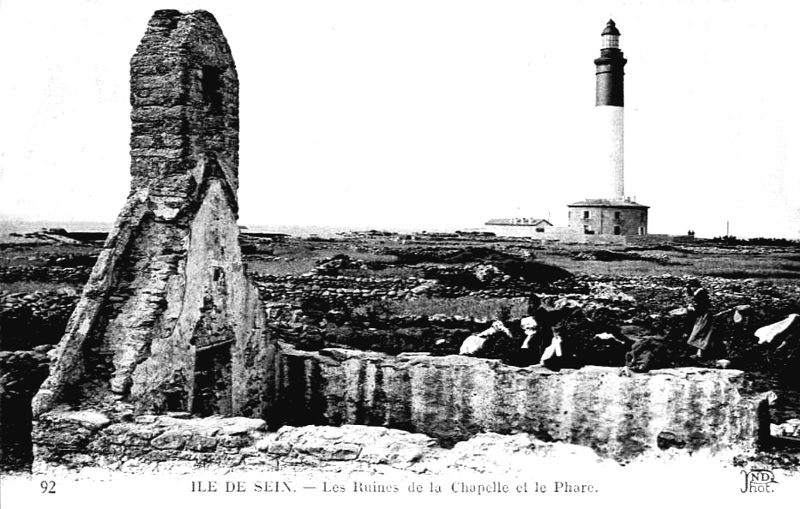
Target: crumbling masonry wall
(456,397)
(168,320)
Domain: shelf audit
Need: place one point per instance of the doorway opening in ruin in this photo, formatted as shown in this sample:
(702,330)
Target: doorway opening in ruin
(16,425)
(212,381)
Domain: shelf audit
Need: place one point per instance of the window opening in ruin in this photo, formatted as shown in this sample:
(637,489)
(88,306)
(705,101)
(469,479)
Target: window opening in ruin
(617,230)
(210,83)
(586,214)
(616,215)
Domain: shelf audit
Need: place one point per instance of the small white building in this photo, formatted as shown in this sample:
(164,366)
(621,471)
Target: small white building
(519,227)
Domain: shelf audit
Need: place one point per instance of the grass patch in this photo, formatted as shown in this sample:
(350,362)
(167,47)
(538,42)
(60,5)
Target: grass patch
(626,267)
(752,274)
(731,264)
(280,267)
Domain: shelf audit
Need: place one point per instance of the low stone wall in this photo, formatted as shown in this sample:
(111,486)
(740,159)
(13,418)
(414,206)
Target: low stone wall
(115,440)
(352,290)
(455,397)
(49,274)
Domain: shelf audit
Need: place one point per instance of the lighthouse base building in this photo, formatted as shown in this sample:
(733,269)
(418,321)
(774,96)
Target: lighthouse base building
(608,217)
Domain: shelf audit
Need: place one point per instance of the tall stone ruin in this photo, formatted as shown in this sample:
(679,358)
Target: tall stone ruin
(168,320)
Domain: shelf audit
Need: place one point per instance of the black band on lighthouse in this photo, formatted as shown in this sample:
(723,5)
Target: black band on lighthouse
(610,79)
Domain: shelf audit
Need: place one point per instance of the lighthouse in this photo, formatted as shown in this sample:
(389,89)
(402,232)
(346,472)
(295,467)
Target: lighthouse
(609,106)
(611,213)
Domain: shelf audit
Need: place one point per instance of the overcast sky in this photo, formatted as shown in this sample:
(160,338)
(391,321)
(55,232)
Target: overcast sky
(426,114)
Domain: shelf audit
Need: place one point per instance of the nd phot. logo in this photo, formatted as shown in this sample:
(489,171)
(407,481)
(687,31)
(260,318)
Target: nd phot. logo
(758,481)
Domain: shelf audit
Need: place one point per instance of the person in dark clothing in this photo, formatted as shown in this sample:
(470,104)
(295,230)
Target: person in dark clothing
(703,337)
(646,354)
(538,329)
(560,353)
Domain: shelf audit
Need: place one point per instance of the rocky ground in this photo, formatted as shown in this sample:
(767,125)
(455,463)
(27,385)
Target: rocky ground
(426,294)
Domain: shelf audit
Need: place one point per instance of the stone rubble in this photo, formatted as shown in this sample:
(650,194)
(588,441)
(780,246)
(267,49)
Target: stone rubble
(162,444)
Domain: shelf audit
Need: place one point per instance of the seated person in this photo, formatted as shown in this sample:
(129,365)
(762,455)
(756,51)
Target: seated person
(646,354)
(480,342)
(538,331)
(559,353)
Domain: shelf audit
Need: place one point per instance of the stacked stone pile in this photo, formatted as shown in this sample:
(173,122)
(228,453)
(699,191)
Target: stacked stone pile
(287,313)
(48,257)
(71,260)
(23,371)
(76,275)
(360,289)
(339,288)
(48,267)
(34,318)
(476,279)
(335,264)
(607,256)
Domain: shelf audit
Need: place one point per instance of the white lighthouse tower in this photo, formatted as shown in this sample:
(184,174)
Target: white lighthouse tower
(612,213)
(609,106)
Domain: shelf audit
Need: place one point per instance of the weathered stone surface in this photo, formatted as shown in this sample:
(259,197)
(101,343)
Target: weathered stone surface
(296,450)
(74,438)
(456,397)
(348,442)
(171,440)
(168,320)
(87,418)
